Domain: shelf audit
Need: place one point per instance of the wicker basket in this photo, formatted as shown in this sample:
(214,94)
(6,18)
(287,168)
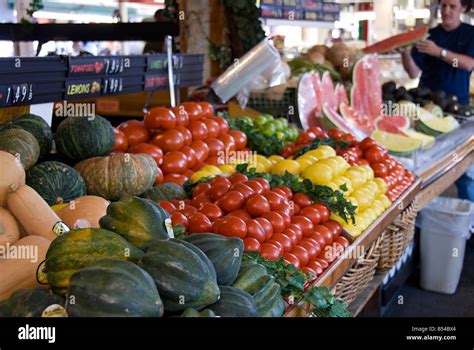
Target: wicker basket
(359,276)
(398,236)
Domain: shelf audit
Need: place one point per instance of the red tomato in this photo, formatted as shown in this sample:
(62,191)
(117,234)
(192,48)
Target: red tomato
(265,184)
(179,179)
(255,230)
(215,160)
(242,188)
(309,271)
(198,130)
(255,186)
(190,156)
(380,169)
(291,259)
(334,227)
(251,245)
(267,227)
(232,226)
(317,131)
(202,150)
(223,125)
(328,253)
(200,200)
(257,205)
(270,251)
(325,232)
(160,118)
(294,209)
(301,253)
(284,240)
(363,162)
(357,151)
(314,265)
(343,241)
(313,248)
(182,117)
(154,151)
(286,190)
(201,188)
(193,109)
(170,140)
(216,147)
(121,142)
(159,177)
(302,200)
(213,128)
(229,142)
(323,211)
(324,264)
(367,143)
(335,133)
(277,244)
(277,201)
(348,138)
(219,180)
(292,235)
(187,136)
(231,201)
(298,231)
(188,210)
(199,223)
(277,221)
(212,211)
(288,150)
(174,163)
(305,138)
(240,138)
(207,109)
(304,223)
(218,190)
(374,155)
(312,214)
(241,213)
(135,132)
(318,237)
(238,178)
(178,218)
(168,206)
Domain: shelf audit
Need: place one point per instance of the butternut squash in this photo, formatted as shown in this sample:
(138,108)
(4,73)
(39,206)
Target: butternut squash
(12,175)
(84,212)
(19,263)
(34,214)
(9,230)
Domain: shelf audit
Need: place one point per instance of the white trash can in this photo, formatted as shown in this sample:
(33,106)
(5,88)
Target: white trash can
(445,225)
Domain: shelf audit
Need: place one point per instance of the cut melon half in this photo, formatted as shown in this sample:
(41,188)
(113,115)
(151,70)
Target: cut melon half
(396,144)
(430,125)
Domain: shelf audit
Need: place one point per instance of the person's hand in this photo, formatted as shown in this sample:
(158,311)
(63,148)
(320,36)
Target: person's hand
(429,47)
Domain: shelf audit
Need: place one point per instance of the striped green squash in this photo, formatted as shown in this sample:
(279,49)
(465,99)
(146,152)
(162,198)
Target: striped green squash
(84,137)
(22,144)
(37,126)
(167,191)
(56,182)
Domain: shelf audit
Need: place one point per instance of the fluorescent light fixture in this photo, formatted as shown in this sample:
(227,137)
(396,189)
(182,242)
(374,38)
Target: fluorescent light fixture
(73,17)
(416,13)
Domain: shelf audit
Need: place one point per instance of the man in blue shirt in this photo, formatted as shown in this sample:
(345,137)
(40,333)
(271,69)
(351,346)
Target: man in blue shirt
(446,59)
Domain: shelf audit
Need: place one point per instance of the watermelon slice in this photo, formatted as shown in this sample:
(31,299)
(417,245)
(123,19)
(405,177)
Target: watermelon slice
(318,91)
(393,124)
(328,93)
(307,102)
(341,95)
(359,129)
(397,41)
(332,119)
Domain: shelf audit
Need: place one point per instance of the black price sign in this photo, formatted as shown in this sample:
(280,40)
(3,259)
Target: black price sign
(16,94)
(112,86)
(157,62)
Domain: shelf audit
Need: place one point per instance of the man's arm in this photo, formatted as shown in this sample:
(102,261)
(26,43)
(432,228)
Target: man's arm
(457,60)
(409,64)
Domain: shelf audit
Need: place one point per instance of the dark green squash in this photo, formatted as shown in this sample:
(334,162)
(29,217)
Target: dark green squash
(234,302)
(277,309)
(118,175)
(184,275)
(113,288)
(76,249)
(225,254)
(138,220)
(194,313)
(35,125)
(22,144)
(167,191)
(29,302)
(266,298)
(251,277)
(56,182)
(84,137)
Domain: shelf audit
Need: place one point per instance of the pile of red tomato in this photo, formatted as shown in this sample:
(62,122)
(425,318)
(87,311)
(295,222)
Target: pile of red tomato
(275,222)
(366,152)
(181,140)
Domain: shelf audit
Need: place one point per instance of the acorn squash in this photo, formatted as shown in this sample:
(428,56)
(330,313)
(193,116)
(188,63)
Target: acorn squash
(29,302)
(166,192)
(234,302)
(21,144)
